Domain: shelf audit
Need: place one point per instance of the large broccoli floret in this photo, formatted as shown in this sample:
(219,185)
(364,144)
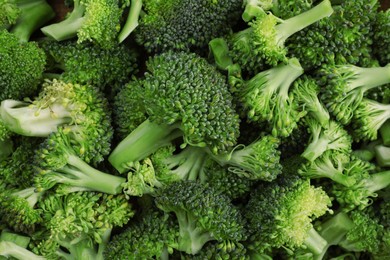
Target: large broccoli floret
(381,44)
(202,214)
(21,67)
(266,97)
(184,24)
(183,96)
(280,214)
(262,44)
(345,85)
(23,17)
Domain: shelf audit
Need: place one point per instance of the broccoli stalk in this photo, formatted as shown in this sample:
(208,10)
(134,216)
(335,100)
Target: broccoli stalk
(131,21)
(9,249)
(382,154)
(315,243)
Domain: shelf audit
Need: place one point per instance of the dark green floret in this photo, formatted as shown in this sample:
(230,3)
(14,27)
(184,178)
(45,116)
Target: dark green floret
(381,43)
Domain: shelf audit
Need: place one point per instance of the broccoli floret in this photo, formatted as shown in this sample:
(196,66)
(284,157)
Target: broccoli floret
(21,67)
(184,24)
(286,9)
(262,44)
(368,119)
(333,137)
(280,214)
(23,17)
(193,102)
(220,250)
(96,21)
(266,97)
(155,235)
(380,41)
(254,8)
(345,85)
(203,215)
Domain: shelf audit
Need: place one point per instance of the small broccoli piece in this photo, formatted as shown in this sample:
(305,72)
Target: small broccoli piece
(220,250)
(286,9)
(257,161)
(345,85)
(22,18)
(155,235)
(185,24)
(183,83)
(333,137)
(21,67)
(380,41)
(203,215)
(368,119)
(280,214)
(266,97)
(96,21)
(306,90)
(262,44)
(254,8)
(10,249)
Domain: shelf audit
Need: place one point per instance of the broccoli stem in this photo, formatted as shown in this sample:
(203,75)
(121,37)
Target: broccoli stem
(368,78)
(382,155)
(30,195)
(23,120)
(377,181)
(19,240)
(67,28)
(9,249)
(142,142)
(255,8)
(79,173)
(220,51)
(315,242)
(131,21)
(317,147)
(290,26)
(385,133)
(33,15)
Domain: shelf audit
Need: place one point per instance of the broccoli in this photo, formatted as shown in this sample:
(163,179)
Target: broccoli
(280,214)
(380,38)
(185,25)
(345,85)
(21,67)
(203,215)
(254,8)
(333,137)
(14,245)
(382,154)
(193,102)
(286,9)
(266,97)
(6,144)
(23,17)
(262,44)
(220,250)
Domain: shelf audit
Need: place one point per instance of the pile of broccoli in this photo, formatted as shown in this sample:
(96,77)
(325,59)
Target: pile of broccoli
(194,129)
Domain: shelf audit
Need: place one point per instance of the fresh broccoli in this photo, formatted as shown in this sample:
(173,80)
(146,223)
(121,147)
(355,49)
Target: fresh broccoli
(23,17)
(220,250)
(280,214)
(183,96)
(184,24)
(14,245)
(155,235)
(6,144)
(333,137)
(266,97)
(345,85)
(286,9)
(203,215)
(262,44)
(382,154)
(21,67)
(381,42)
(368,119)
(254,8)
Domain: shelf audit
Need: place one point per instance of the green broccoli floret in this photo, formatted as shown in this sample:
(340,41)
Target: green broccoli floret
(153,236)
(86,63)
(380,41)
(220,250)
(286,9)
(21,67)
(280,214)
(254,8)
(184,24)
(96,21)
(23,17)
(344,87)
(203,215)
(333,137)
(368,119)
(257,161)
(193,102)
(266,97)
(262,44)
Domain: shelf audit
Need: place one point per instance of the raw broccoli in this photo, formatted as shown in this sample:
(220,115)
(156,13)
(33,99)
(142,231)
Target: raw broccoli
(344,86)
(382,154)
(15,246)
(21,67)
(254,8)
(220,250)
(203,215)
(280,214)
(184,24)
(183,96)
(262,44)
(380,41)
(266,97)
(23,17)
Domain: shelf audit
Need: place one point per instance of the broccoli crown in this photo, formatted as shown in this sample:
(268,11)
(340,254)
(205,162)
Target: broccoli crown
(220,250)
(85,63)
(184,88)
(185,25)
(281,212)
(9,12)
(203,215)
(381,42)
(21,67)
(146,238)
